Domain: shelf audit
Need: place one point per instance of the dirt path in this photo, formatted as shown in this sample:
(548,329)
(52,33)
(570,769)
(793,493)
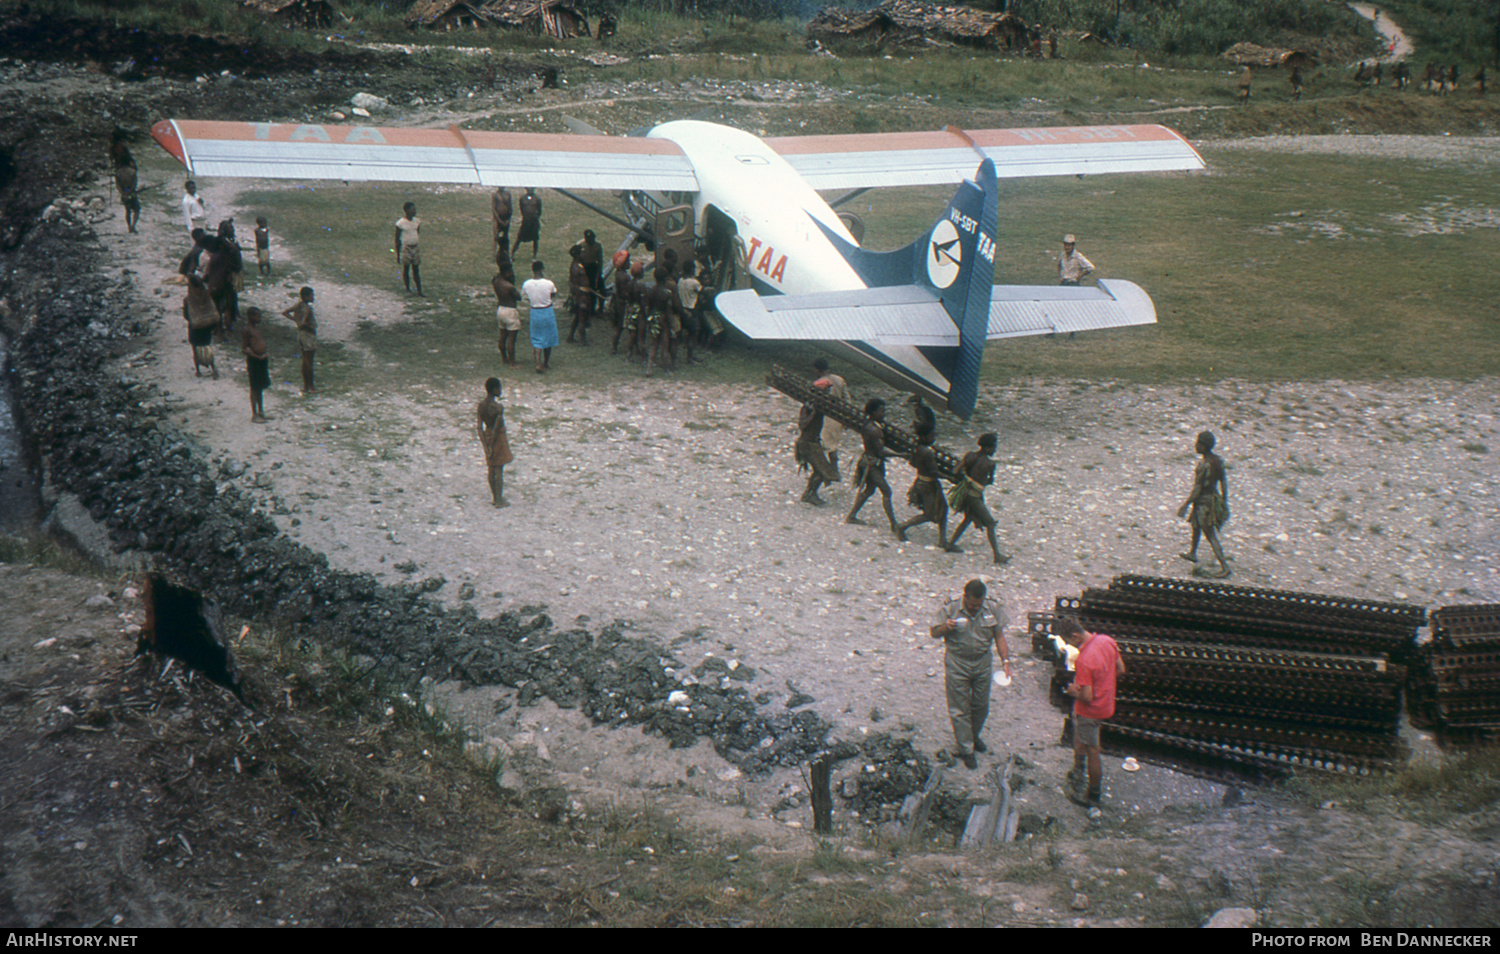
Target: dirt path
(1397,46)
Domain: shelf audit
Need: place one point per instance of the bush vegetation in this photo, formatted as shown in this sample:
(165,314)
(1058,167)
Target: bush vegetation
(1195,27)
(1462,31)
(1450,31)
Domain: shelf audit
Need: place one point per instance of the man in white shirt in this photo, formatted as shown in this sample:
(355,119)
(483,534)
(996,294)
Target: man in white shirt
(194,215)
(1071,266)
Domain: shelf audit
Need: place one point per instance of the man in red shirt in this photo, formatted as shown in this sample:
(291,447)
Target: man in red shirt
(1093,690)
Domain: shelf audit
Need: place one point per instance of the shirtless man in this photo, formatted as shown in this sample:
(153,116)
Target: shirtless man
(593,265)
(408,244)
(257,364)
(490,423)
(922,415)
(870,474)
(202,318)
(531,222)
(193,260)
(126,178)
(967,496)
(1206,508)
(620,304)
(224,272)
(635,319)
(926,493)
(500,216)
(302,316)
(507,312)
(810,455)
(665,321)
(263,245)
(579,293)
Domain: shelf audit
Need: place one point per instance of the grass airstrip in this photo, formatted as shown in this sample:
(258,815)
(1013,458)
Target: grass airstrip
(1267,267)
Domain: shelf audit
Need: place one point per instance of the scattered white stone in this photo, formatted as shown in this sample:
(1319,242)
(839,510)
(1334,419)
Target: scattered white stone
(369,102)
(1233,918)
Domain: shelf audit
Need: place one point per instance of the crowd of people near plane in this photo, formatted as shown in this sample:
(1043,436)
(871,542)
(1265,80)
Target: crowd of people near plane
(213,271)
(655,305)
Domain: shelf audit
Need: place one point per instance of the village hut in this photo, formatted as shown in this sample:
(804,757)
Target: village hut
(551,17)
(904,22)
(311,14)
(1250,54)
(446,15)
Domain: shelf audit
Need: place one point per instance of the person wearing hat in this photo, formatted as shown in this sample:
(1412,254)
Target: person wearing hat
(922,416)
(969,627)
(1071,266)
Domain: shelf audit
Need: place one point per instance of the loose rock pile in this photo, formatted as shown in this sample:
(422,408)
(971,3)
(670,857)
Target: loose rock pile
(142,480)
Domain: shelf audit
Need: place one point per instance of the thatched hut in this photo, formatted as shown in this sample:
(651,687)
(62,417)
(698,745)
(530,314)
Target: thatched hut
(837,25)
(446,15)
(551,17)
(312,14)
(1249,54)
(897,22)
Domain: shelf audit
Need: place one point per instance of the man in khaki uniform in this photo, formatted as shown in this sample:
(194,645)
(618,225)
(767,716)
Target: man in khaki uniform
(969,627)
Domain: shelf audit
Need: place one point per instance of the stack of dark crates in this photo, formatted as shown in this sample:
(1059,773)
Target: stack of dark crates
(1245,684)
(1455,679)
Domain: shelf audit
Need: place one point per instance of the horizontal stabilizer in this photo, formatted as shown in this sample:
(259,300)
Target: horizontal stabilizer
(1017,310)
(912,315)
(893,315)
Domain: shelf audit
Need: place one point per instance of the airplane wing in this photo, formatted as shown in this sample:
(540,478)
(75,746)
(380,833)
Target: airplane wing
(544,160)
(878,160)
(911,315)
(387,154)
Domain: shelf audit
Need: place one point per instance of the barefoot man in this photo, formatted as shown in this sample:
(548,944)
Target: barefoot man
(926,493)
(491,423)
(869,475)
(508,312)
(810,454)
(967,496)
(257,364)
(1207,508)
(302,316)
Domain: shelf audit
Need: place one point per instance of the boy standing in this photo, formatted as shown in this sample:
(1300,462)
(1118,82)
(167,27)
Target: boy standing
(257,364)
(307,334)
(263,245)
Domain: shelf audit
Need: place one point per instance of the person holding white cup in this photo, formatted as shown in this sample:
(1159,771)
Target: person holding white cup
(969,627)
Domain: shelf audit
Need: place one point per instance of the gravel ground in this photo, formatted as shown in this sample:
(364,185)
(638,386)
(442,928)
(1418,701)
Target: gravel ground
(1432,149)
(674,509)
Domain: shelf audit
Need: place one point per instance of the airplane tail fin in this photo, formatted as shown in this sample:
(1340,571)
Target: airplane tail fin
(955,263)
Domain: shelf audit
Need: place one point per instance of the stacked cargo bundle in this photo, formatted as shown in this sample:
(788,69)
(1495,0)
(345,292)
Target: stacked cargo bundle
(1455,679)
(1251,683)
(896,438)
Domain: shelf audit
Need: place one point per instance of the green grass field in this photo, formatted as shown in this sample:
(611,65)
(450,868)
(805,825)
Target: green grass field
(1269,267)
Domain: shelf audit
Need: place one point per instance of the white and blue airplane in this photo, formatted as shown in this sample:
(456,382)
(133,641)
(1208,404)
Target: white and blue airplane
(918,318)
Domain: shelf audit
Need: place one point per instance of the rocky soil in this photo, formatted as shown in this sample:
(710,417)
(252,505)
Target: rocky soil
(555,630)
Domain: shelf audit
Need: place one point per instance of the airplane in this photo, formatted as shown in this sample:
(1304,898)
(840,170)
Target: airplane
(917,318)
